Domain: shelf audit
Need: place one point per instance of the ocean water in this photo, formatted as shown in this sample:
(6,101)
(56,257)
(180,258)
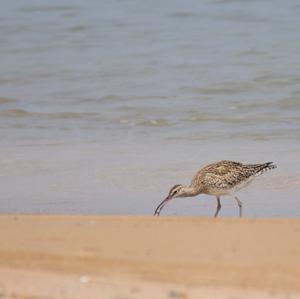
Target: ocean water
(104,105)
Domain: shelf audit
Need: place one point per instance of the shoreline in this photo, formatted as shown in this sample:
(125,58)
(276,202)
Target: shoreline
(189,255)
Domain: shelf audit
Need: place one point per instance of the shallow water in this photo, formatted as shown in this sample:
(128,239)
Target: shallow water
(105,105)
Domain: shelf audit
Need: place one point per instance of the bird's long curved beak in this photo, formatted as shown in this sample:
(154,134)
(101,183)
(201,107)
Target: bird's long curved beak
(161,205)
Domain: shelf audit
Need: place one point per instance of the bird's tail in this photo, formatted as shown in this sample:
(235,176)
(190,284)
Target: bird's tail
(261,168)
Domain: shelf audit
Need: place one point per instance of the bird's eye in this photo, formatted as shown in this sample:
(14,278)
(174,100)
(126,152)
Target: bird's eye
(175,192)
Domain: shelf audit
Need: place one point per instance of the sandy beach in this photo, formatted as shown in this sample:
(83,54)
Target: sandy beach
(148,257)
(105,106)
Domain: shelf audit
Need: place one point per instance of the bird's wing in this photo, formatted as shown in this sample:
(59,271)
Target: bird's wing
(224,174)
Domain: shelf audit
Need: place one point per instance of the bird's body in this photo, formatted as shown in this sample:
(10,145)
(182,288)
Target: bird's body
(227,177)
(218,179)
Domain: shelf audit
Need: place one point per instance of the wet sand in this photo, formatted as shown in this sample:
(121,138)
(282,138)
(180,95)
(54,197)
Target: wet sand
(148,257)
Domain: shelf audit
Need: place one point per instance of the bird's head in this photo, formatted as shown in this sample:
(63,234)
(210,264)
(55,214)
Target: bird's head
(175,191)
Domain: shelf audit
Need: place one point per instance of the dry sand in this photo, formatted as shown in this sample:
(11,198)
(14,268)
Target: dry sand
(118,257)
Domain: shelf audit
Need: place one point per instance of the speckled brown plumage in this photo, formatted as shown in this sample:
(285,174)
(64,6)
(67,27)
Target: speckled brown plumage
(220,178)
(226,176)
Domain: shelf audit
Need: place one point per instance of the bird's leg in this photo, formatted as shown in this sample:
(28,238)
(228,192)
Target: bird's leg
(218,207)
(240,204)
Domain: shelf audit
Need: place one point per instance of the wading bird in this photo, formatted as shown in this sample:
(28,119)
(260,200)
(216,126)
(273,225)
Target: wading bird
(220,178)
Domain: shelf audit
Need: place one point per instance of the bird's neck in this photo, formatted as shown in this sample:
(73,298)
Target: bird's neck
(191,191)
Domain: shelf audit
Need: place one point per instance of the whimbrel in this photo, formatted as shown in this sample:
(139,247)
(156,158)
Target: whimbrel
(220,178)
